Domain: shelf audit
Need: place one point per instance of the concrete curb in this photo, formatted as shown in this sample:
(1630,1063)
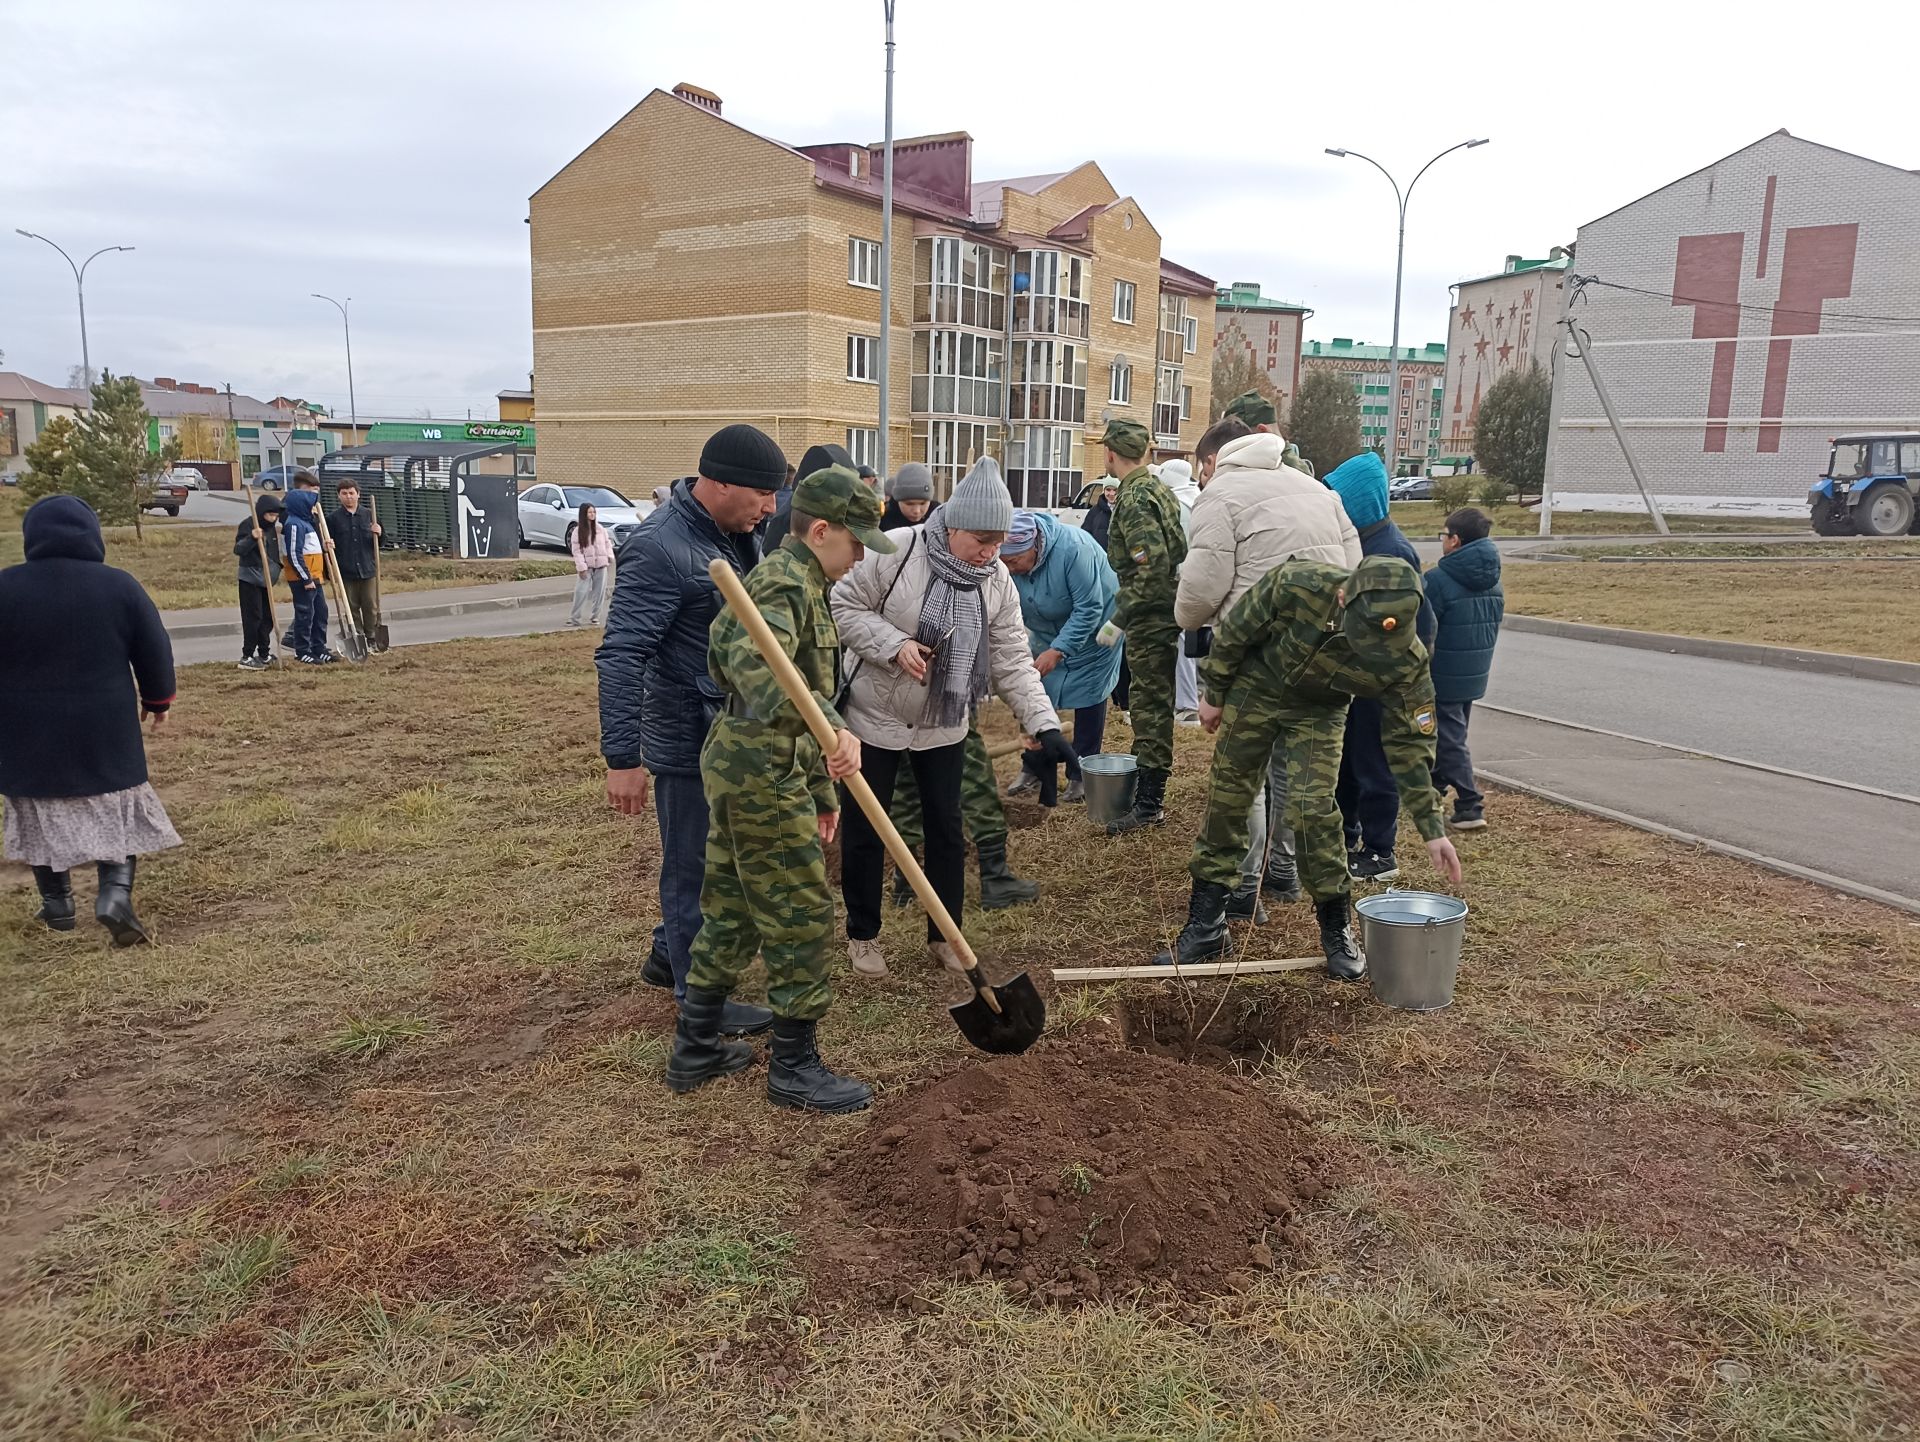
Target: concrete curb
(1784,559)
(393,615)
(1785,658)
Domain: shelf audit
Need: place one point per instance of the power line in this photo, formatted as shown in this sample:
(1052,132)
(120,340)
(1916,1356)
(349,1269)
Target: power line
(1581,282)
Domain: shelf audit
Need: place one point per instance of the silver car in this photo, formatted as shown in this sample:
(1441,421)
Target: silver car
(549,514)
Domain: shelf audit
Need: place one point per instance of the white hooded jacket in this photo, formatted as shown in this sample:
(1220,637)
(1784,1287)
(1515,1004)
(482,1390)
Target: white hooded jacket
(1255,513)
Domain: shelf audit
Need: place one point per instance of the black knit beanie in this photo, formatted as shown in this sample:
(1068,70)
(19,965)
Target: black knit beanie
(743,455)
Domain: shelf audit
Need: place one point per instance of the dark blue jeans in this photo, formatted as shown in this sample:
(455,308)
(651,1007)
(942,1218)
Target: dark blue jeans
(1452,762)
(1369,801)
(309,621)
(682,808)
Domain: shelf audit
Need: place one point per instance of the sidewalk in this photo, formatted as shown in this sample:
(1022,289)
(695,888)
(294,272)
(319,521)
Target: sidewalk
(214,621)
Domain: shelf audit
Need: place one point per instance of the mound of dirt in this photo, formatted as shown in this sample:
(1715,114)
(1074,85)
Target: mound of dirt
(1070,1174)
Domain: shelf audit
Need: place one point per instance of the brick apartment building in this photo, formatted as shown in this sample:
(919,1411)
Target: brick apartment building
(1410,440)
(1743,315)
(1266,330)
(688,273)
(1502,322)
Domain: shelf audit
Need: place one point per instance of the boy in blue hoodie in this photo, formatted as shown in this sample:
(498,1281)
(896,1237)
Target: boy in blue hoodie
(1369,802)
(303,562)
(1464,593)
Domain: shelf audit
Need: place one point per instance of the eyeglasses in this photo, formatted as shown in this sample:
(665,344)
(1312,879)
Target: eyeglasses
(1446,535)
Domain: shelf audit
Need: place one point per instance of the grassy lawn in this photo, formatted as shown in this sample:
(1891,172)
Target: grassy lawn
(1862,608)
(375,1144)
(1421,520)
(1853,548)
(184,566)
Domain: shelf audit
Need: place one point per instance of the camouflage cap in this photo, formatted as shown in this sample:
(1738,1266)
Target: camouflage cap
(1126,438)
(1383,601)
(837,494)
(1253,408)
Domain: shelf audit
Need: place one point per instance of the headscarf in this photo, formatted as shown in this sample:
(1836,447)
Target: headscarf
(953,617)
(1022,536)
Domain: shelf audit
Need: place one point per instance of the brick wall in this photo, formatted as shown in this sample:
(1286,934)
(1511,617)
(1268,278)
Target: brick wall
(1498,325)
(1722,400)
(1272,337)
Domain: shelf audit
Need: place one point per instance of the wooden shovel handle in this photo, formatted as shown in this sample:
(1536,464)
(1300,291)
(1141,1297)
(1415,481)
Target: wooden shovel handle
(332,559)
(279,651)
(795,685)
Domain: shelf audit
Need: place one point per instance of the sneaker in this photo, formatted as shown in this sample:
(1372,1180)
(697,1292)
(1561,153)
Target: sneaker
(253,663)
(1471,821)
(866,957)
(1024,782)
(1186,718)
(1372,866)
(314,660)
(942,955)
(1076,791)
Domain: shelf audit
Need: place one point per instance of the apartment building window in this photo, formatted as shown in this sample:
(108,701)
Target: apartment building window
(863,444)
(9,432)
(863,263)
(1055,301)
(950,447)
(1193,334)
(1043,465)
(1173,329)
(1120,383)
(1123,301)
(959,282)
(863,358)
(956,373)
(1166,404)
(1186,402)
(1049,382)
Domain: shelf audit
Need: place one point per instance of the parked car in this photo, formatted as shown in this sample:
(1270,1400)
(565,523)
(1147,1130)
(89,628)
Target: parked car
(1870,487)
(186,476)
(275,478)
(1411,488)
(1074,513)
(168,495)
(549,513)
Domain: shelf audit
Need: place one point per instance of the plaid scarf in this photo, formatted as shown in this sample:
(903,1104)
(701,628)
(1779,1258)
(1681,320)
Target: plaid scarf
(953,617)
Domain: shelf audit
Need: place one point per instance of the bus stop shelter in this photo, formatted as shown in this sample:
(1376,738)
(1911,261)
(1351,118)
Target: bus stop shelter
(429,496)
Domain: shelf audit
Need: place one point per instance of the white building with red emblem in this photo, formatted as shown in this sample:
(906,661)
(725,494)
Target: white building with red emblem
(1741,317)
(1501,322)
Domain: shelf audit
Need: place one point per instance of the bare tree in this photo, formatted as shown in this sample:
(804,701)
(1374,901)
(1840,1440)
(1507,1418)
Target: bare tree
(1234,374)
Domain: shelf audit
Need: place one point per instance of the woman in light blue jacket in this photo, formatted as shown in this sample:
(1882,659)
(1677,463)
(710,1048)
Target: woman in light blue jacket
(1067,590)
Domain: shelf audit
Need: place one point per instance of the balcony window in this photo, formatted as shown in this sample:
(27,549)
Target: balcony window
(1043,465)
(950,447)
(1166,404)
(1186,402)
(863,358)
(1120,383)
(1123,301)
(1173,329)
(863,444)
(959,282)
(863,263)
(956,373)
(1048,381)
(1193,334)
(1055,299)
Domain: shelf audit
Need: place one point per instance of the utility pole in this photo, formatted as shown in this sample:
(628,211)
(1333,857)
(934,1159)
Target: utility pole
(80,286)
(886,260)
(233,440)
(1581,342)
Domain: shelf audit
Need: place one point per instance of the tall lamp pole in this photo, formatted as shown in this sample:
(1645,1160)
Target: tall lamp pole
(886,257)
(353,408)
(80,286)
(1399,270)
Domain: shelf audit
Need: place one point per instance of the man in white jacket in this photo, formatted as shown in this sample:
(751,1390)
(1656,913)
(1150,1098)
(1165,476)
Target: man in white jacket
(1254,513)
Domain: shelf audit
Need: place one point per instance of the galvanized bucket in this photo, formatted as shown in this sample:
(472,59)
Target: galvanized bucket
(1110,780)
(1412,940)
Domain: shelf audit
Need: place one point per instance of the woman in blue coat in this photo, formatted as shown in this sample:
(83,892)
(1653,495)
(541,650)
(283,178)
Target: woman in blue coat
(1067,591)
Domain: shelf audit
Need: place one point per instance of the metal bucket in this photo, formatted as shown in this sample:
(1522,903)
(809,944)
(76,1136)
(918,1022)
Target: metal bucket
(1412,940)
(1110,780)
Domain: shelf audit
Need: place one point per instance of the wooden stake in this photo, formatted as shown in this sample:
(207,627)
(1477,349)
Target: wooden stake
(1081,975)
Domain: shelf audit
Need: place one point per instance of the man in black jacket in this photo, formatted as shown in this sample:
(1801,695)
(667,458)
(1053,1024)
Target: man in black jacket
(354,536)
(657,699)
(256,543)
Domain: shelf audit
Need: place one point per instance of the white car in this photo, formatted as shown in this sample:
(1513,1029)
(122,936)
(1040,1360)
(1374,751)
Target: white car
(186,476)
(548,514)
(1074,513)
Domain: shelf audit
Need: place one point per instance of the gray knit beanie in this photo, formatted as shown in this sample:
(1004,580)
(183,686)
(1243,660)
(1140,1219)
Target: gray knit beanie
(914,482)
(981,502)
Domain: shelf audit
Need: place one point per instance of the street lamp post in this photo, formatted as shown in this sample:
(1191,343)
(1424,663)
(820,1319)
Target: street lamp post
(1399,270)
(80,286)
(886,258)
(353,409)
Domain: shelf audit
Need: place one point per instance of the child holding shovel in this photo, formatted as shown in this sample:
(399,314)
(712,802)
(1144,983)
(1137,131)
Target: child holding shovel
(770,793)
(256,543)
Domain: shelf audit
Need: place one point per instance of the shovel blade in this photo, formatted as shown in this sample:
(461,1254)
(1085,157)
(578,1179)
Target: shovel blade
(1011,1030)
(380,641)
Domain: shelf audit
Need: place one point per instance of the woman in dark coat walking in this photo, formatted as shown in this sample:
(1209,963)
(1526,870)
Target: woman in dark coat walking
(73,769)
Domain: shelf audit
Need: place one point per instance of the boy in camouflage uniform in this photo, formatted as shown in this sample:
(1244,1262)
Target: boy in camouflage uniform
(1286,661)
(1146,545)
(770,793)
(986,823)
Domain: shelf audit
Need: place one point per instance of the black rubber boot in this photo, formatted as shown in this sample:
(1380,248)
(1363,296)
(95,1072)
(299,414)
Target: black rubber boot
(1149,799)
(113,908)
(1247,907)
(659,968)
(698,1053)
(798,1078)
(999,887)
(743,1018)
(56,898)
(1282,881)
(1204,937)
(1344,961)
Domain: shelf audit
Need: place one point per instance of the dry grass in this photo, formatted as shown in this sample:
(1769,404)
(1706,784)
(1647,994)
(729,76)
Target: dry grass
(1652,1176)
(1862,608)
(1421,520)
(184,566)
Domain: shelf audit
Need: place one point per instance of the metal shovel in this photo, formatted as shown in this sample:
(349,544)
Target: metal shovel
(1001,1019)
(379,638)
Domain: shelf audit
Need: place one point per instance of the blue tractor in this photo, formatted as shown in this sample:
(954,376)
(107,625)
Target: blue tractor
(1870,486)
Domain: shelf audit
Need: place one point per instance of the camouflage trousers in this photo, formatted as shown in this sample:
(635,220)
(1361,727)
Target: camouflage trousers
(1153,655)
(765,888)
(980,808)
(1308,736)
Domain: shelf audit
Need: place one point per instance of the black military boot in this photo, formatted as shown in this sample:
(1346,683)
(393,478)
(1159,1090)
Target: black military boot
(798,1078)
(999,887)
(1344,961)
(113,908)
(1245,906)
(698,1053)
(659,968)
(1204,937)
(743,1018)
(1282,881)
(1149,797)
(56,898)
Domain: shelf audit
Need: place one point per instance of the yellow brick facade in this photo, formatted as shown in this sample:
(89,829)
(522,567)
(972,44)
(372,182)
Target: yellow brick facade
(688,274)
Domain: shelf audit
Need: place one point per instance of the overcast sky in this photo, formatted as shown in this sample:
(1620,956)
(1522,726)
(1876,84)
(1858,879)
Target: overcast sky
(256,152)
